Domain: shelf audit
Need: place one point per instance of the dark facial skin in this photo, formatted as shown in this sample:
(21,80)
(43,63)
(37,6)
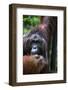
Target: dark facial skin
(36,45)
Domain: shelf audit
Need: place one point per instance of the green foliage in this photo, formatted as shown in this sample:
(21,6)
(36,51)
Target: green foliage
(26,30)
(30,21)
(35,20)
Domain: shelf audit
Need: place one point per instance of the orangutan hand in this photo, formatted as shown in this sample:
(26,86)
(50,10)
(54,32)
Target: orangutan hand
(33,64)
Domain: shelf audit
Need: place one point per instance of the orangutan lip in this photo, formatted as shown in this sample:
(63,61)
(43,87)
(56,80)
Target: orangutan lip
(34,50)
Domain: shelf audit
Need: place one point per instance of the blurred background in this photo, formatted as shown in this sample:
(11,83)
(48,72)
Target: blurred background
(29,22)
